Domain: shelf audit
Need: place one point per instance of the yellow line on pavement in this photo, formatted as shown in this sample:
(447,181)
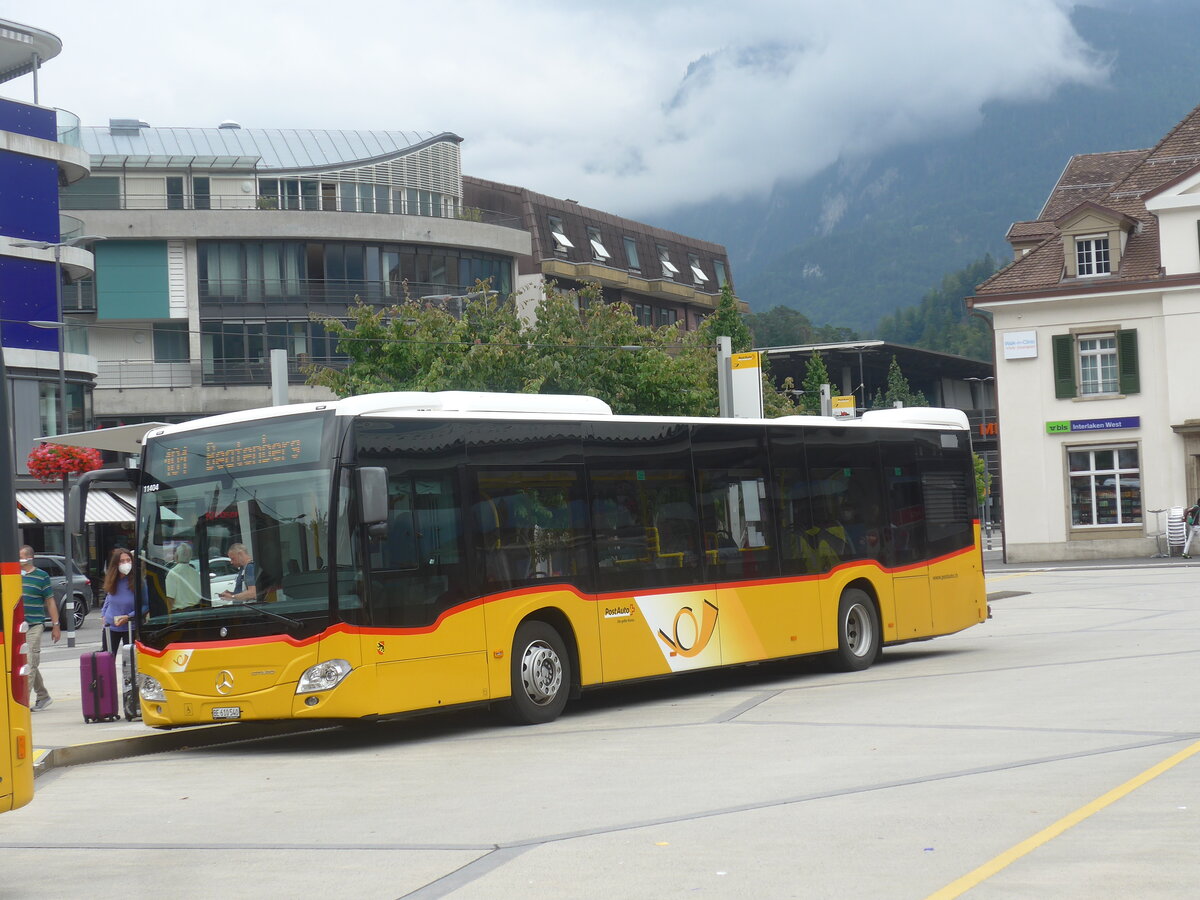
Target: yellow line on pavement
(990,868)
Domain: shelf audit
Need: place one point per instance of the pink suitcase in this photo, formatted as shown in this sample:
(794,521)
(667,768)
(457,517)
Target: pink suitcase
(98,685)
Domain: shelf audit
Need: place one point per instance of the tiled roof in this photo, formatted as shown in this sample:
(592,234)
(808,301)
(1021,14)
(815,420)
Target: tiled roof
(1024,231)
(1119,181)
(1091,176)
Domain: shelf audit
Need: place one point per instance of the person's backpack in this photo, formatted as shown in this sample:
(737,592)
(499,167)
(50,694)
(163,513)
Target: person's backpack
(1192,517)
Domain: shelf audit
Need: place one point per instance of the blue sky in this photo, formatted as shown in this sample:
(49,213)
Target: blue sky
(631,107)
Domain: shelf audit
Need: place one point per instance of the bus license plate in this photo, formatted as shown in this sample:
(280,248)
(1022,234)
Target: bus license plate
(227,712)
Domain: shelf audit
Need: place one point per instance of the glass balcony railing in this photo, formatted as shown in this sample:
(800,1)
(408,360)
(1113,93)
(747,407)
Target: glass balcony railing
(68,128)
(99,194)
(69,227)
(125,374)
(301,290)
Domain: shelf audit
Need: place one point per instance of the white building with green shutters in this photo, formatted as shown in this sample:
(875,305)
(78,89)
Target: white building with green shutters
(1097,325)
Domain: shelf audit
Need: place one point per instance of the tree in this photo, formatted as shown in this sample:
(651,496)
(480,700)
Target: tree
(578,344)
(940,321)
(726,320)
(983,479)
(815,375)
(784,326)
(898,390)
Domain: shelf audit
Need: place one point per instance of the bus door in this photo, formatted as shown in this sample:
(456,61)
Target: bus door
(422,629)
(948,491)
(657,612)
(904,543)
(758,617)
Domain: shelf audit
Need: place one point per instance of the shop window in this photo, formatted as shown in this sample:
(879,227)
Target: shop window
(1105,485)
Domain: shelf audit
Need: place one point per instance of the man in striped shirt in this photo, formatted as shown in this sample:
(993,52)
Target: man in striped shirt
(38,597)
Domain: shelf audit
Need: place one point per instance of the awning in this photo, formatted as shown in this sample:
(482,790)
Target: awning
(36,507)
(120,438)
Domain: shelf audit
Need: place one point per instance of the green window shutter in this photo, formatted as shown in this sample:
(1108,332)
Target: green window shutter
(1064,366)
(1127,361)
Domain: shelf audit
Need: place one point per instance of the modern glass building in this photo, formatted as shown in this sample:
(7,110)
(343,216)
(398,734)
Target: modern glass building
(39,251)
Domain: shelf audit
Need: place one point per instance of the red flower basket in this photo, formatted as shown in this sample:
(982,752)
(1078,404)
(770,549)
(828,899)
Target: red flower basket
(54,462)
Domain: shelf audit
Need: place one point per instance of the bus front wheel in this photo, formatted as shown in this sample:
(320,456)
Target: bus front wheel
(858,631)
(541,675)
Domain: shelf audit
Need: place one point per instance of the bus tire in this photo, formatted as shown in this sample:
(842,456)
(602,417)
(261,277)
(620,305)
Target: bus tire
(859,636)
(541,675)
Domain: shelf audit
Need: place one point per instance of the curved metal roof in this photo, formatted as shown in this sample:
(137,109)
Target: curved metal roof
(19,43)
(282,149)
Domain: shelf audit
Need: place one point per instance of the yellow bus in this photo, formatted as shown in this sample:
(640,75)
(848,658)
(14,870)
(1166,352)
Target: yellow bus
(16,756)
(402,552)
(16,759)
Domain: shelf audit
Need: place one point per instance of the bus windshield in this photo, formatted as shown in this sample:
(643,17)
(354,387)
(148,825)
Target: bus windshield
(233,530)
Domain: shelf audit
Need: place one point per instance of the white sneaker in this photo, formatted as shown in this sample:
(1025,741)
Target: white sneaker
(42,704)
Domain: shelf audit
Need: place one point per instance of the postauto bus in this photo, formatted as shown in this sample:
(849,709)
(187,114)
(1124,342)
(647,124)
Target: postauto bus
(416,551)
(16,758)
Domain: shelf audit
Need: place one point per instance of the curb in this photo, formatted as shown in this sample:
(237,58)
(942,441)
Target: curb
(193,738)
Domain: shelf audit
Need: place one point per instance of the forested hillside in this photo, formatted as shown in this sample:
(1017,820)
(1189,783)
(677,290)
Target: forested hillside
(869,237)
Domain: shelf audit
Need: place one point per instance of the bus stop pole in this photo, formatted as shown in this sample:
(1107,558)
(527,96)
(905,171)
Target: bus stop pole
(725,376)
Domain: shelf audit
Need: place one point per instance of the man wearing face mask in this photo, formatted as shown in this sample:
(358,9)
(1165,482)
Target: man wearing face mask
(38,597)
(118,598)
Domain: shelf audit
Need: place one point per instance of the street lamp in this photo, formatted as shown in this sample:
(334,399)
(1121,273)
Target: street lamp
(60,324)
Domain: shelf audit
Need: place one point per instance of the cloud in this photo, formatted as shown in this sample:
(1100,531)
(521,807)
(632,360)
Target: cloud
(630,107)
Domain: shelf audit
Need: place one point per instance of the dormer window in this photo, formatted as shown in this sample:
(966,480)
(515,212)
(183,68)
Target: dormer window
(561,244)
(1091,255)
(697,273)
(598,250)
(631,254)
(668,268)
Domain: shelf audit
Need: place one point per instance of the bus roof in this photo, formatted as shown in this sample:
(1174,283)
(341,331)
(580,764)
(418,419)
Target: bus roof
(526,406)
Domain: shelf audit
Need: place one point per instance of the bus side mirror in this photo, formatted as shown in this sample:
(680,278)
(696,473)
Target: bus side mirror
(373,495)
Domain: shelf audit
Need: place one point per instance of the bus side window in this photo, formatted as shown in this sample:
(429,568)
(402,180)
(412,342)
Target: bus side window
(530,525)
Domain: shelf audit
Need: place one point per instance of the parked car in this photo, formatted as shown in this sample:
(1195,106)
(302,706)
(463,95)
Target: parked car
(55,567)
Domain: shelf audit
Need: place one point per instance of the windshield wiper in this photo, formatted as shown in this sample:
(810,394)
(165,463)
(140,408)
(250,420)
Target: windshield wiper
(254,607)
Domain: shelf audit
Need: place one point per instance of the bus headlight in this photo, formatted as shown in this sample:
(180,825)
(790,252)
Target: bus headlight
(323,676)
(149,688)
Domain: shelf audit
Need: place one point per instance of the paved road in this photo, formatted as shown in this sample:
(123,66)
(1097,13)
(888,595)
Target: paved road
(1023,736)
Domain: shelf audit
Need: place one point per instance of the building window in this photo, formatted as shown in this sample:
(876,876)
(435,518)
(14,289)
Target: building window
(697,272)
(598,250)
(202,192)
(1091,256)
(174,192)
(666,317)
(561,243)
(631,254)
(644,313)
(95,192)
(722,277)
(171,342)
(668,268)
(1098,364)
(1106,485)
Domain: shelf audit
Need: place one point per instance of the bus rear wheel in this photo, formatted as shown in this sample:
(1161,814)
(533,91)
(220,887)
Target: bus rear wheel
(858,631)
(541,675)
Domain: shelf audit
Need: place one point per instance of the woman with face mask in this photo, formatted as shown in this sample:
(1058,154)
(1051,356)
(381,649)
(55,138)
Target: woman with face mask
(118,597)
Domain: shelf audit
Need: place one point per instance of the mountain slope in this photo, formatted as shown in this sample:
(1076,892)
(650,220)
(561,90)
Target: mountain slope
(867,237)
